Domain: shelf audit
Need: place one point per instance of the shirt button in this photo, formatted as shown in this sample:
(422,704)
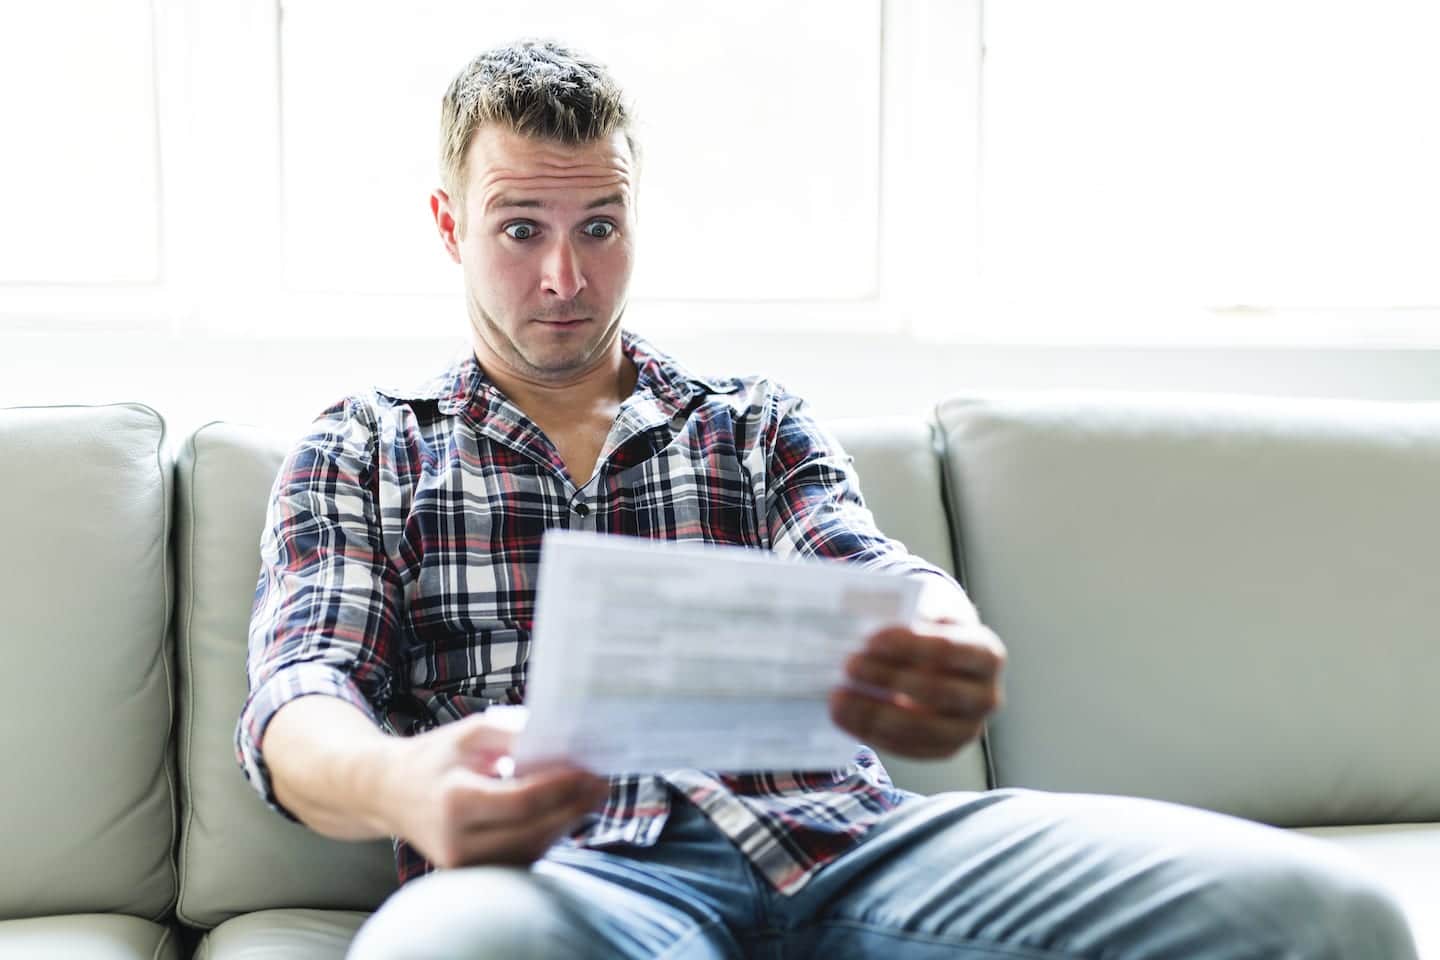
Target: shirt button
(580,509)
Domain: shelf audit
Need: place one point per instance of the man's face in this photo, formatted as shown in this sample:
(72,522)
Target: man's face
(547,249)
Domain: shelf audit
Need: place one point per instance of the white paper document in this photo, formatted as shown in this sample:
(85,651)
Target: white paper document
(649,656)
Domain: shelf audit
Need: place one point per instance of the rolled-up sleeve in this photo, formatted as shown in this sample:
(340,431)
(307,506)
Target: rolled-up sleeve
(813,503)
(327,603)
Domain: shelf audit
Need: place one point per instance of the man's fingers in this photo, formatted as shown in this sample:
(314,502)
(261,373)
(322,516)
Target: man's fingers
(898,729)
(478,734)
(949,694)
(521,843)
(477,801)
(509,842)
(974,649)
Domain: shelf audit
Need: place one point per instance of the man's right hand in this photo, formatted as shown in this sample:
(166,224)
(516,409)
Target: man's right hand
(444,795)
(341,776)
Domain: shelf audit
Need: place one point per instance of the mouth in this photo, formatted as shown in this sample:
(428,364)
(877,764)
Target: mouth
(565,324)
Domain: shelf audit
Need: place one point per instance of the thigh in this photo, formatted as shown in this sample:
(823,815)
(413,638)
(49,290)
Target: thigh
(1015,873)
(551,910)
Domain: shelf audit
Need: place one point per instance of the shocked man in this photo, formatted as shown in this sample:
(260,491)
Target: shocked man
(397,595)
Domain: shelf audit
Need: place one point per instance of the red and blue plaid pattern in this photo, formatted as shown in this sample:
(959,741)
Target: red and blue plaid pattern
(402,545)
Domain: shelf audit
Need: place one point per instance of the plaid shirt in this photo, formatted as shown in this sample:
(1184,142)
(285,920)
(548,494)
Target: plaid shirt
(402,545)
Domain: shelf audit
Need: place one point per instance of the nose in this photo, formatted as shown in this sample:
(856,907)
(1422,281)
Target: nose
(562,275)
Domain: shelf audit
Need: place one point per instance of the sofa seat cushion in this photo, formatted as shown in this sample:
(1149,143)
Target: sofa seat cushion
(283,934)
(1405,855)
(88,936)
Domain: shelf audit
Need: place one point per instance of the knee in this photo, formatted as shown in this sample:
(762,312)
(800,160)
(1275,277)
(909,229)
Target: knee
(473,913)
(1360,917)
(1321,904)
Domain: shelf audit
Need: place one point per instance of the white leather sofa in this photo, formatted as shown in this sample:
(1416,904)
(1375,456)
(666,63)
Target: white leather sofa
(1229,602)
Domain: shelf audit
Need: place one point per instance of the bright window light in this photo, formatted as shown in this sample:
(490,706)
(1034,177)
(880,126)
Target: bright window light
(79,191)
(1231,154)
(759,123)
(1114,171)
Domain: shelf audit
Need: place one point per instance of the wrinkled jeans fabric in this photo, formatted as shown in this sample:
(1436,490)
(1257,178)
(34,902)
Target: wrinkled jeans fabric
(1001,874)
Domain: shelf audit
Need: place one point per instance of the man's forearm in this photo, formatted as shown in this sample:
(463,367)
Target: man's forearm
(327,764)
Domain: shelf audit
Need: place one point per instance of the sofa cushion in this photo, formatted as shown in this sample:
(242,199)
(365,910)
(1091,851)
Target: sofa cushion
(235,854)
(1228,602)
(93,936)
(283,935)
(898,462)
(87,820)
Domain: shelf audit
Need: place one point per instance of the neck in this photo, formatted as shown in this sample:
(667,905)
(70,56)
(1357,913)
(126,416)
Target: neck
(604,383)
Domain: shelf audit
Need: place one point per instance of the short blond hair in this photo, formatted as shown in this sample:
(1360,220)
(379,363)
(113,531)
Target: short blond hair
(537,88)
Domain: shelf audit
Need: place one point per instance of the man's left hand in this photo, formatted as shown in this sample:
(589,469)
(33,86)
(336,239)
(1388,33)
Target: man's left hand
(924,691)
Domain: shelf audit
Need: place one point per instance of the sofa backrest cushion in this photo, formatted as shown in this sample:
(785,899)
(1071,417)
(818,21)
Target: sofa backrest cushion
(1229,602)
(900,477)
(235,854)
(87,822)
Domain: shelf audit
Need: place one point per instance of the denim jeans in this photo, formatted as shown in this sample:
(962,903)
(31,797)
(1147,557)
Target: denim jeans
(1006,873)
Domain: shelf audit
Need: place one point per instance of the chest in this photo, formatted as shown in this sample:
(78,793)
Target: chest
(464,538)
(579,450)
(579,439)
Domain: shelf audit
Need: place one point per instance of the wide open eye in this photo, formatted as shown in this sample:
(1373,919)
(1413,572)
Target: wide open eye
(520,230)
(599,229)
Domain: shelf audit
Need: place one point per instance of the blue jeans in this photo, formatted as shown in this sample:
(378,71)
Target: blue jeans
(1007,873)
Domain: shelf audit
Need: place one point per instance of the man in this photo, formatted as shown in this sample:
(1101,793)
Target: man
(397,593)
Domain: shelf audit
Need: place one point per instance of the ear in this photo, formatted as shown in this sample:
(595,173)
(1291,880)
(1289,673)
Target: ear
(444,215)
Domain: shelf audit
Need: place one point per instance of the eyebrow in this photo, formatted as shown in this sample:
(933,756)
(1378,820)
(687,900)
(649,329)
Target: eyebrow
(503,201)
(614,199)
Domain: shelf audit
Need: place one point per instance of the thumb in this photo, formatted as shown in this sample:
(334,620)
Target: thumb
(482,741)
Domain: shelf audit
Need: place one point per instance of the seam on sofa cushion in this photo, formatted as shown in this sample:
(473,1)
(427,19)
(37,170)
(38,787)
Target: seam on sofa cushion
(187,664)
(183,647)
(167,499)
(160,944)
(950,506)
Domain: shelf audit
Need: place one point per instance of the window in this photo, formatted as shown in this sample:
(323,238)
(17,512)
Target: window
(760,140)
(297,144)
(81,186)
(1234,171)
(1246,169)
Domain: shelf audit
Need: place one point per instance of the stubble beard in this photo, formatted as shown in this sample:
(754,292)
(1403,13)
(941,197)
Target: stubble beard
(506,347)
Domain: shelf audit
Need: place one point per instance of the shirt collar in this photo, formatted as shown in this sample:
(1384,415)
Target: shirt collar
(659,374)
(667,379)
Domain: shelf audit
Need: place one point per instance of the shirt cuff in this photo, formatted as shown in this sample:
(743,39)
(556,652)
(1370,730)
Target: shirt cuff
(290,683)
(907,564)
